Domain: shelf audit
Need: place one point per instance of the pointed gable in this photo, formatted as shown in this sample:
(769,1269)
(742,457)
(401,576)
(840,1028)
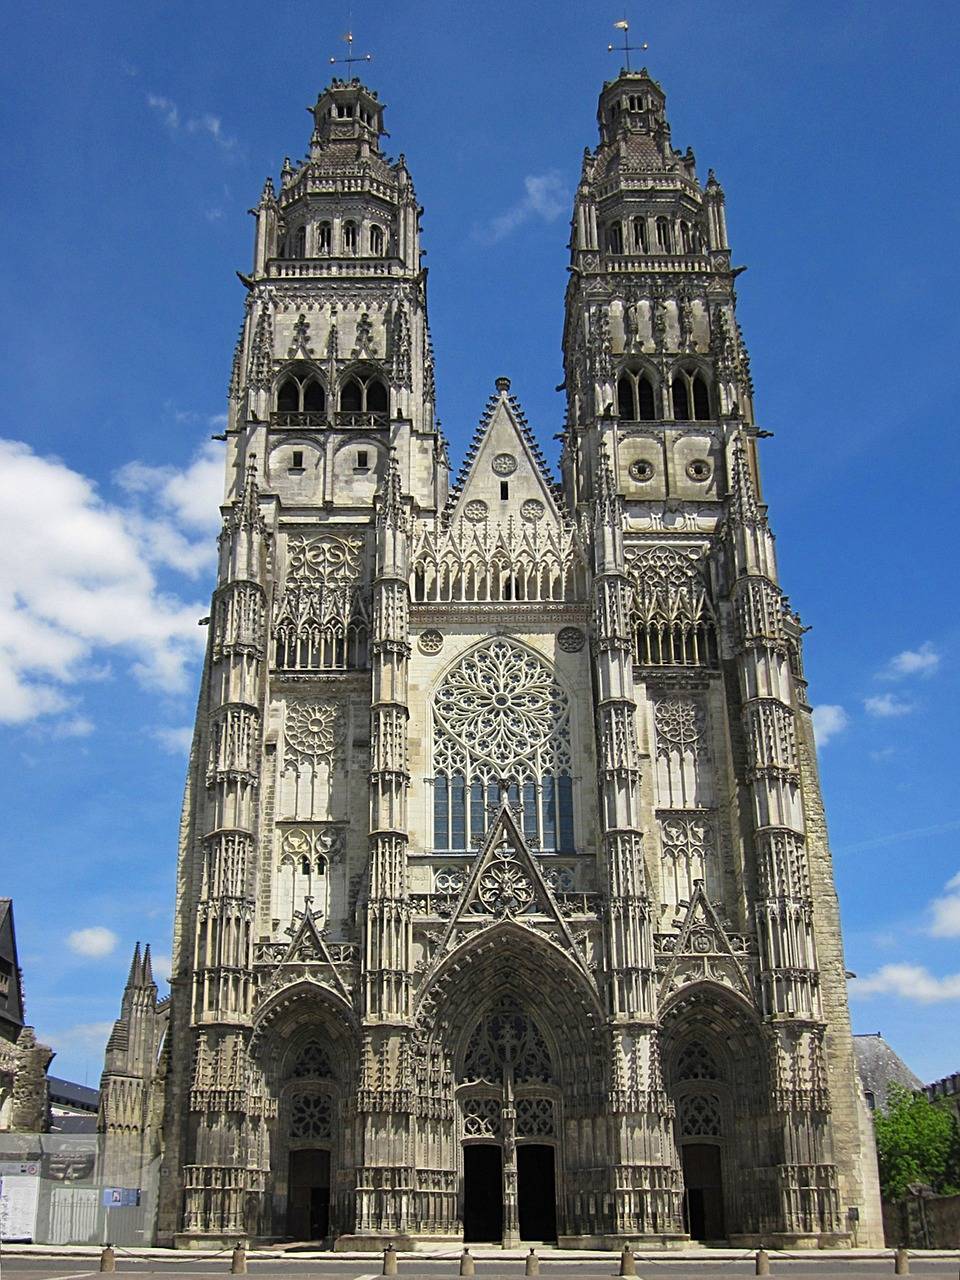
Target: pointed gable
(704,951)
(504,469)
(507,883)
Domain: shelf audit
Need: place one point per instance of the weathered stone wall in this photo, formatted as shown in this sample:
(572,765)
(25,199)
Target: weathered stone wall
(933,1223)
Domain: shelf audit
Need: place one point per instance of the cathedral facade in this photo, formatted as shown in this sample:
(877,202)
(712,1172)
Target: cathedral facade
(505,909)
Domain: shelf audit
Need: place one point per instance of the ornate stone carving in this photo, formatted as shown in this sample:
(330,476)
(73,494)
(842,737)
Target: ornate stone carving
(476,510)
(681,725)
(313,732)
(571,639)
(507,1037)
(504,464)
(311,1116)
(431,641)
(504,888)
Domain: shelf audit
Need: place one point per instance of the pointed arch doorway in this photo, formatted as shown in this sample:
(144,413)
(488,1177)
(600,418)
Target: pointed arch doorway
(509,1102)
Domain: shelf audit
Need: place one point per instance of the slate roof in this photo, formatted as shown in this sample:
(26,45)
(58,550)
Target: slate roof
(879,1067)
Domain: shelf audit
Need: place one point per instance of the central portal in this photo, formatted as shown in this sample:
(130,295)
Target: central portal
(308,1195)
(536,1192)
(703,1180)
(483,1193)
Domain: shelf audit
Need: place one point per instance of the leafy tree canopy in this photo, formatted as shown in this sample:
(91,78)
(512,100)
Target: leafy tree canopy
(918,1142)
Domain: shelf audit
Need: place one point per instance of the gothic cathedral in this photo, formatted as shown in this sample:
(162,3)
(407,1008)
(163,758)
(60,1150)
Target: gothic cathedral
(505,909)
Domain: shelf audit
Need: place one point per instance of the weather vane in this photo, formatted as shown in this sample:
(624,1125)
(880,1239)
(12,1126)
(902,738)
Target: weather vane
(351,58)
(624,26)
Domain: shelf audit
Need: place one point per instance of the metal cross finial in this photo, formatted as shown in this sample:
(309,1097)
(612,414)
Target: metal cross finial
(351,58)
(624,26)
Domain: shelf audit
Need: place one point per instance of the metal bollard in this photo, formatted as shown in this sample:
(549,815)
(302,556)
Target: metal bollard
(763,1262)
(628,1263)
(389,1261)
(108,1259)
(532,1264)
(901,1262)
(238,1262)
(467,1265)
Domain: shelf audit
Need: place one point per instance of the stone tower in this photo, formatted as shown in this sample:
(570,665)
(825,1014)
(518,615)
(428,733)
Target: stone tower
(504,909)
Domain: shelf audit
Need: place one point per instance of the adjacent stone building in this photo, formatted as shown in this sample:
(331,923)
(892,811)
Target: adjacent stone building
(504,904)
(23,1060)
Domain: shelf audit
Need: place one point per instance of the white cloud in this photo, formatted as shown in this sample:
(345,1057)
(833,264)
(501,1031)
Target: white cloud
(167,110)
(83,1035)
(209,125)
(162,966)
(910,982)
(886,705)
(75,727)
(946,911)
(913,662)
(828,721)
(82,586)
(545,197)
(96,941)
(175,741)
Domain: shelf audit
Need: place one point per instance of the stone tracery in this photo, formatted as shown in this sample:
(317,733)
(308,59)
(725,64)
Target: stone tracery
(501,721)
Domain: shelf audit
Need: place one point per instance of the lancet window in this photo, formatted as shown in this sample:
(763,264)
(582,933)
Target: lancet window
(322,619)
(300,391)
(477,560)
(324,237)
(639,226)
(349,237)
(673,621)
(614,238)
(502,725)
(363,400)
(635,396)
(376,241)
(691,396)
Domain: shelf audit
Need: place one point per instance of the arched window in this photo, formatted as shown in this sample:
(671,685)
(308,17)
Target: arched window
(349,237)
(288,396)
(301,392)
(681,398)
(701,398)
(500,719)
(635,397)
(614,238)
(314,399)
(364,394)
(625,407)
(639,226)
(685,244)
(324,237)
(691,396)
(664,235)
(376,241)
(300,242)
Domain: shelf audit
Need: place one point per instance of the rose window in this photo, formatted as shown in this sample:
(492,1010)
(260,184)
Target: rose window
(502,727)
(310,1116)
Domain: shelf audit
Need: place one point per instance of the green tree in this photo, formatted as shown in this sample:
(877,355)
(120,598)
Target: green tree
(918,1141)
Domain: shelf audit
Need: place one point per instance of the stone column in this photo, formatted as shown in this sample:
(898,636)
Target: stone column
(646,1194)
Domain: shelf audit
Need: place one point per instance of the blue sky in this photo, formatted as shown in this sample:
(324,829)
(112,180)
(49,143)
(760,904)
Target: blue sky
(136,139)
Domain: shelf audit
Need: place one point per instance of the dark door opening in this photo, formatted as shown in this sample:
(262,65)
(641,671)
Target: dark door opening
(703,1180)
(482,1193)
(536,1192)
(308,1195)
